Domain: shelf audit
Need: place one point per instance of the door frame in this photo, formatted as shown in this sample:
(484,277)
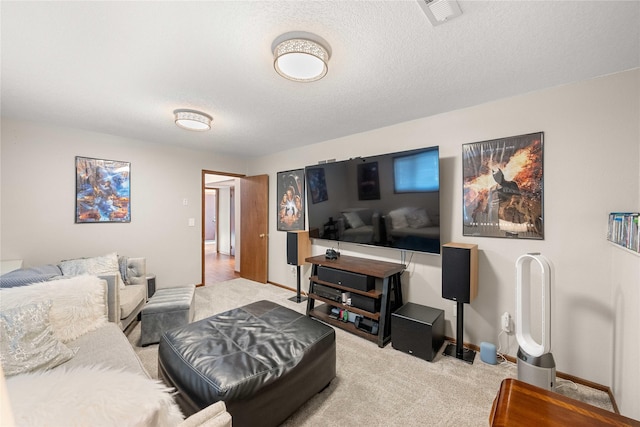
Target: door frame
(204,174)
(215,191)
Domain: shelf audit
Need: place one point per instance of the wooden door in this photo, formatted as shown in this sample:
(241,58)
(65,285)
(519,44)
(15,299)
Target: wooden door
(254,227)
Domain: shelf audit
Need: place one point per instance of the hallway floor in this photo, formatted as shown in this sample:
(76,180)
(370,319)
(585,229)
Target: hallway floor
(218,267)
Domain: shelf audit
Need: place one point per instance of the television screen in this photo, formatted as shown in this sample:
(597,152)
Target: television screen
(390,200)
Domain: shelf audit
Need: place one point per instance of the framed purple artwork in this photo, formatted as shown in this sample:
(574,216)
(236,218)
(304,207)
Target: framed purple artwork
(102,191)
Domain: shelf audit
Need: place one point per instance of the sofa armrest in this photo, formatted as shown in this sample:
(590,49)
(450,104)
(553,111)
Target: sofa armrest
(113,297)
(341,227)
(215,415)
(137,271)
(375,222)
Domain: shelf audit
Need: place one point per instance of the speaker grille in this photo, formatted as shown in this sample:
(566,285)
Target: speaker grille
(292,249)
(459,272)
(298,247)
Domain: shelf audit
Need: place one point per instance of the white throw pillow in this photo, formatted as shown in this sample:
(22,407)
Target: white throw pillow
(398,218)
(353,219)
(99,265)
(418,219)
(91,396)
(27,342)
(77,303)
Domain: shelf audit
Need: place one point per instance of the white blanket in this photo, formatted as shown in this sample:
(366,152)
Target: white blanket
(90,396)
(77,303)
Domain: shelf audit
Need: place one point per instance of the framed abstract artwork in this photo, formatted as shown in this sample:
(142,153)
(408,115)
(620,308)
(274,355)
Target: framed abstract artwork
(503,187)
(102,190)
(290,198)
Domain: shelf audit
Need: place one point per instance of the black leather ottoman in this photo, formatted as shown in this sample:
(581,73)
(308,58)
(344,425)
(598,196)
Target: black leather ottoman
(263,360)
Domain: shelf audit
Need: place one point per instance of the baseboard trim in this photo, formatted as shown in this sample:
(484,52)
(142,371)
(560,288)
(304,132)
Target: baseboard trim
(303,293)
(512,359)
(559,374)
(591,385)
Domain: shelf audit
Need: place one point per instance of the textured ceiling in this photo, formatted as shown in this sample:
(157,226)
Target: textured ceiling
(123,67)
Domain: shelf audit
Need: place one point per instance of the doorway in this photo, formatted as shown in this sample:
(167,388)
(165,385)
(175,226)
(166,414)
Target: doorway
(240,204)
(219,222)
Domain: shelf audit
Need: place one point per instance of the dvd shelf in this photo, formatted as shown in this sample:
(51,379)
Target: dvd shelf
(623,230)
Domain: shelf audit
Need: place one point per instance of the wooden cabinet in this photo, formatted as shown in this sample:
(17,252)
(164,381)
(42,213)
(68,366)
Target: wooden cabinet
(389,294)
(522,404)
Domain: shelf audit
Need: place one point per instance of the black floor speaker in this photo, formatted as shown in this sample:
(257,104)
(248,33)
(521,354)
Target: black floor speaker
(460,272)
(418,330)
(298,247)
(298,250)
(460,284)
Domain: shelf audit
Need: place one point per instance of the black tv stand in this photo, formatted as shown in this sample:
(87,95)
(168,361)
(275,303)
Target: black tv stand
(390,296)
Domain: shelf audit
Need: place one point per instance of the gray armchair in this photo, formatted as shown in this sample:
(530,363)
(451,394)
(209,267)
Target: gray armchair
(359,225)
(125,301)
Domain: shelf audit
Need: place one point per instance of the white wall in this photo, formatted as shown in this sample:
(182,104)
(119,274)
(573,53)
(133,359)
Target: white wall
(591,167)
(224,220)
(591,162)
(625,279)
(38,188)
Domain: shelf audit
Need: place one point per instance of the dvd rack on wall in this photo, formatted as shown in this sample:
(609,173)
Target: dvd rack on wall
(384,299)
(623,230)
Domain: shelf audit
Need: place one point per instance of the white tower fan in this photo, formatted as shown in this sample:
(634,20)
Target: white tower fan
(535,362)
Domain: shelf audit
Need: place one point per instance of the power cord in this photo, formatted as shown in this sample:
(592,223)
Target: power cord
(499,353)
(403,258)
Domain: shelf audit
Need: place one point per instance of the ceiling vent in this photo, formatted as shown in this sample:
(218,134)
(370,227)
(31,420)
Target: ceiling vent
(440,11)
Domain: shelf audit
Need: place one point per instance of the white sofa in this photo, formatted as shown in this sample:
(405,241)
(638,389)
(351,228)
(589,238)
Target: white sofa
(126,281)
(411,222)
(102,383)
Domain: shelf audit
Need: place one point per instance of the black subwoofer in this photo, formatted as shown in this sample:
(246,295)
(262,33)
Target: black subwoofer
(418,330)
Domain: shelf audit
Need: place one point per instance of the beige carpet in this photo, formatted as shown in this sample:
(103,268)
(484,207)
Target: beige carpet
(378,386)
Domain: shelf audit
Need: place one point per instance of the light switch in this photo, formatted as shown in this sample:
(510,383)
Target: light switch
(192,222)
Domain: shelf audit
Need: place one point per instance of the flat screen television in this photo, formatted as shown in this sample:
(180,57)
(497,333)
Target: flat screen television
(390,200)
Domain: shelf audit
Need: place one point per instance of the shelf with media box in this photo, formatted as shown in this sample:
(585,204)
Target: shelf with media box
(374,295)
(351,300)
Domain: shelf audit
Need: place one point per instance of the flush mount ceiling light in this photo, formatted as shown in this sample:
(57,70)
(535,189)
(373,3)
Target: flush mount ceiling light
(440,11)
(192,120)
(300,59)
